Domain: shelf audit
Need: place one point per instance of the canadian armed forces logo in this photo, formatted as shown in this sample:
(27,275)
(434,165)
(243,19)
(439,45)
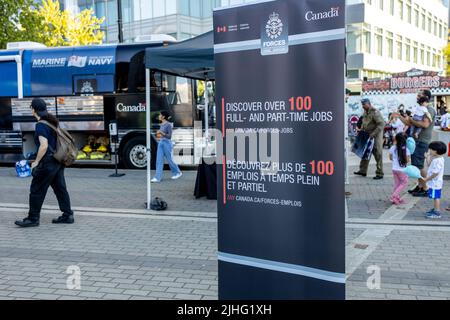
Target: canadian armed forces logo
(274,26)
(274,35)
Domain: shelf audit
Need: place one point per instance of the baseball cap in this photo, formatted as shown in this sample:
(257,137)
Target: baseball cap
(365,100)
(39,105)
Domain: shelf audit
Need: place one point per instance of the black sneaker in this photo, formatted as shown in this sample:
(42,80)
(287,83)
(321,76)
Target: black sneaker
(25,223)
(416,189)
(377,177)
(421,193)
(64,219)
(359,173)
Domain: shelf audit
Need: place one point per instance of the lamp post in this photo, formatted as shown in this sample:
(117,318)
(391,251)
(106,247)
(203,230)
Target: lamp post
(119,20)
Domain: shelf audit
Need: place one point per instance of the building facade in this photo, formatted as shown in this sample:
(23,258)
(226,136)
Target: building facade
(181,19)
(383,36)
(391,36)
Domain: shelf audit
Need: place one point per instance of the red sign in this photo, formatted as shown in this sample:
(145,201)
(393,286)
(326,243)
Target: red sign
(408,82)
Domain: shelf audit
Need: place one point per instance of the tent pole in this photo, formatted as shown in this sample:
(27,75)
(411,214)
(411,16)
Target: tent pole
(205,95)
(148,128)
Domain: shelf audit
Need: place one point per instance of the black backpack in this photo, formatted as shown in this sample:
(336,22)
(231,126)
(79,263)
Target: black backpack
(158,204)
(66,151)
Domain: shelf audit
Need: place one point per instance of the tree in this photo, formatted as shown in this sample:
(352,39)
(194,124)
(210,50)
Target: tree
(447,59)
(23,20)
(62,28)
(18,21)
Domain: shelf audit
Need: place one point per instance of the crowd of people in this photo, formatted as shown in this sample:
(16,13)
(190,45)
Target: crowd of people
(425,155)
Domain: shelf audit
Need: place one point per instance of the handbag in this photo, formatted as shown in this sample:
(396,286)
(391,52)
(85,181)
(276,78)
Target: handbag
(158,204)
(23,169)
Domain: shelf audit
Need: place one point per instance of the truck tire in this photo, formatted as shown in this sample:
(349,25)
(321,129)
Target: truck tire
(134,154)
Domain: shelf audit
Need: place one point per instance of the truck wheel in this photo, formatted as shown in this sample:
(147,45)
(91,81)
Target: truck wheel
(135,154)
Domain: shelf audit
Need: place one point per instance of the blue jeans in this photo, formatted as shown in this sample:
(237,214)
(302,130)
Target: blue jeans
(165,149)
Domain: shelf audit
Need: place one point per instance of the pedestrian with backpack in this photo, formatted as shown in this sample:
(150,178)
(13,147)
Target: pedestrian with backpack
(55,151)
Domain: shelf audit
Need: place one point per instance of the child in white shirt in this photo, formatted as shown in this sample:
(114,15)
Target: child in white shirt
(435,176)
(419,113)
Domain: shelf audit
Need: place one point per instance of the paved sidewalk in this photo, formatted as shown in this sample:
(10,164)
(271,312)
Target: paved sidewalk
(411,253)
(119,257)
(93,188)
(124,252)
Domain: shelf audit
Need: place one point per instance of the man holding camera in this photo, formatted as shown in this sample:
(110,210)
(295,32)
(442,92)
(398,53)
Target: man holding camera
(422,141)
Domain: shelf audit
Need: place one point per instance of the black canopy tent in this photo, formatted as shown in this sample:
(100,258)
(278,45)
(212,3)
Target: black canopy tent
(193,58)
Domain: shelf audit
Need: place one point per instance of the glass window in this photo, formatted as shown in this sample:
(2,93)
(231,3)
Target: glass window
(424,20)
(379,41)
(435,31)
(429,23)
(422,54)
(159,8)
(145,9)
(184,7)
(208,6)
(381,4)
(353,74)
(82,4)
(196,9)
(390,44)
(415,52)
(400,9)
(183,90)
(391,7)
(408,13)
(111,16)
(353,40)
(416,16)
(126,11)
(408,50)
(366,38)
(184,36)
(399,47)
(171,7)
(100,11)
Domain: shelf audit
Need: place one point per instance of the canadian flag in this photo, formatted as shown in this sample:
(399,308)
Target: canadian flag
(77,61)
(221,29)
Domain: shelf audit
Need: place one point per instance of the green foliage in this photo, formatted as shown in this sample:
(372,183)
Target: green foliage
(23,20)
(18,21)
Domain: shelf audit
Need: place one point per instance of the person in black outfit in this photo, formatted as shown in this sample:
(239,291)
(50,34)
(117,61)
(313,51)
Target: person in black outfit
(46,170)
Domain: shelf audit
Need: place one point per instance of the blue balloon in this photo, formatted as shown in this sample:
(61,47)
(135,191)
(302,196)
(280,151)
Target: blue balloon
(411,145)
(412,172)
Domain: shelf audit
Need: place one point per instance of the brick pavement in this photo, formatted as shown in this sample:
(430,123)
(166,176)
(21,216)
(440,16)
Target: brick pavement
(93,188)
(119,258)
(134,256)
(413,264)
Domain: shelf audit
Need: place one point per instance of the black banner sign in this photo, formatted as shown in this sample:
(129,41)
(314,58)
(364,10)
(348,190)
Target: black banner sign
(280,70)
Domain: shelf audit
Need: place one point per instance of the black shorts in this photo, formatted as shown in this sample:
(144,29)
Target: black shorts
(418,157)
